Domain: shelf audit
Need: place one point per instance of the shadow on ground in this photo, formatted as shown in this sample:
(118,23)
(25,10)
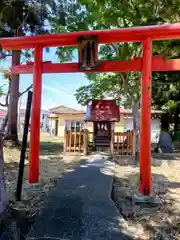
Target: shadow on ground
(67,209)
(156,221)
(157,160)
(51,148)
(79,208)
(51,168)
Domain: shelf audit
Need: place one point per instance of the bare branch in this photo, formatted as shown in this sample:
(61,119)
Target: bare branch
(124,76)
(137,10)
(4,55)
(7,95)
(3,105)
(21,25)
(5,71)
(114,47)
(27,89)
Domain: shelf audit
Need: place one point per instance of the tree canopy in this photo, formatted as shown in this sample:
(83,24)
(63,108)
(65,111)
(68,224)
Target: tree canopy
(109,14)
(19,18)
(35,17)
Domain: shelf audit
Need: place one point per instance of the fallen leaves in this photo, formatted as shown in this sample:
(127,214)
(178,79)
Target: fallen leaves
(162,222)
(52,166)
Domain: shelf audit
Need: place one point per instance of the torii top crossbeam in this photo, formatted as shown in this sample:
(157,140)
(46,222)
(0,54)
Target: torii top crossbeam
(136,34)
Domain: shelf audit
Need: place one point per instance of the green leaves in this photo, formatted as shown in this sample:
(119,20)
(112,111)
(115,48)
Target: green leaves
(26,17)
(166,91)
(65,54)
(107,14)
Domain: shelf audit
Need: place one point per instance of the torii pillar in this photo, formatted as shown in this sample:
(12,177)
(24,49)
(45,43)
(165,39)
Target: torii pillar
(145,123)
(35,119)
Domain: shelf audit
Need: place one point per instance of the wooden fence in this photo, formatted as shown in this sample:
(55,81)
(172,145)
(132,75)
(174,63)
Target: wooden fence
(124,143)
(90,140)
(76,142)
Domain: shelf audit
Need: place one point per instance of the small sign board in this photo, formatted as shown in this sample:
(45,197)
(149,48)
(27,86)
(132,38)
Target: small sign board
(103,110)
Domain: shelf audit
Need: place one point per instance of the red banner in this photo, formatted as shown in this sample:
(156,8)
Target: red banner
(105,110)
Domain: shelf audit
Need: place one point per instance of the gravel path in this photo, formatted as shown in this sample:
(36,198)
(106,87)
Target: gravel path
(80,207)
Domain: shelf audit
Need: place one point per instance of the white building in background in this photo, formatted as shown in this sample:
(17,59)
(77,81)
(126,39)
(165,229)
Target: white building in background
(21,117)
(44,120)
(155,123)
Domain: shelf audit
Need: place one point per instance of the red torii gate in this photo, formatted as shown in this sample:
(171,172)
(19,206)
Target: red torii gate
(145,65)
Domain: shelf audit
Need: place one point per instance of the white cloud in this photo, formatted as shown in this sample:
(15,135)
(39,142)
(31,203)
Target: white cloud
(58,96)
(57,90)
(50,89)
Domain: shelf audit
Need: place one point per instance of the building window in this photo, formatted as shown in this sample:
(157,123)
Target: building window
(74,126)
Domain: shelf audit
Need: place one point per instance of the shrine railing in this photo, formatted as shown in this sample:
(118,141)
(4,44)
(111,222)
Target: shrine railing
(124,143)
(90,140)
(76,142)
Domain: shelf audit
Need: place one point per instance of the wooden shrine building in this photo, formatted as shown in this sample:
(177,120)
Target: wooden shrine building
(103,114)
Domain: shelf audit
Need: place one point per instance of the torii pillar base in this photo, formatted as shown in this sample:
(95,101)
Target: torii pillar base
(146,201)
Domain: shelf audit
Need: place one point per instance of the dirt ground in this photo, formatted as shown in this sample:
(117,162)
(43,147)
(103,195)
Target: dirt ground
(144,222)
(52,167)
(160,221)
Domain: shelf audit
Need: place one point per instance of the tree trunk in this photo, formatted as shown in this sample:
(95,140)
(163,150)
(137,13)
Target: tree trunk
(4,124)
(176,120)
(165,121)
(3,195)
(13,102)
(136,124)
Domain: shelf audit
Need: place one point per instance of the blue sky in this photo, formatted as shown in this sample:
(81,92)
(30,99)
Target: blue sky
(57,89)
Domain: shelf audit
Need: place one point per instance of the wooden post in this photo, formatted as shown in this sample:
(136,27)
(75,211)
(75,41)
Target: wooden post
(70,139)
(34,150)
(123,136)
(75,140)
(133,143)
(145,124)
(85,142)
(93,135)
(65,142)
(23,149)
(117,140)
(78,142)
(112,139)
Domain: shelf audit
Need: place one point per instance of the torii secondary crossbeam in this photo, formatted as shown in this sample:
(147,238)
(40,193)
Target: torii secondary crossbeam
(145,65)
